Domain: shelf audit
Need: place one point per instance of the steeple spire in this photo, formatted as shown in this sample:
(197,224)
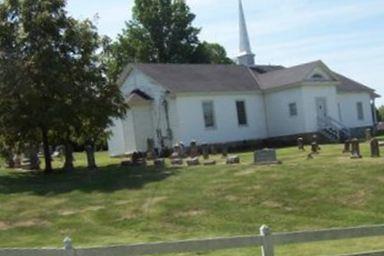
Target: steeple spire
(246,57)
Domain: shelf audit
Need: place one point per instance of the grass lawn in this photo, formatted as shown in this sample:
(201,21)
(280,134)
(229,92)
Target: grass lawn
(117,205)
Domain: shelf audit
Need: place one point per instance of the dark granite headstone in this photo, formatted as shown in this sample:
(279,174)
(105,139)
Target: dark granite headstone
(355,149)
(314,148)
(375,148)
(224,150)
(205,150)
(193,161)
(300,144)
(159,163)
(151,152)
(368,134)
(265,156)
(347,146)
(193,149)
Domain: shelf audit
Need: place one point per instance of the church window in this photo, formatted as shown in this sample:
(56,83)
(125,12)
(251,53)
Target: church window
(241,113)
(318,76)
(209,114)
(293,109)
(360,111)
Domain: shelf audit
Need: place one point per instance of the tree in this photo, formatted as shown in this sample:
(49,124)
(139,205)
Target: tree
(52,79)
(211,53)
(380,113)
(161,31)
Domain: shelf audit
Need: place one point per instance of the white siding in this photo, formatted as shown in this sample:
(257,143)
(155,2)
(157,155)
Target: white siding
(116,145)
(348,107)
(280,123)
(143,125)
(191,121)
(131,135)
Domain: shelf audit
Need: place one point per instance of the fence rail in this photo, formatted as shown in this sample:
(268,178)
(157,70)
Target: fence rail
(266,240)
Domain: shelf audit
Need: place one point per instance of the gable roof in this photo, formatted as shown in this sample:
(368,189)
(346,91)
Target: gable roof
(261,69)
(349,85)
(287,76)
(179,78)
(137,97)
(185,78)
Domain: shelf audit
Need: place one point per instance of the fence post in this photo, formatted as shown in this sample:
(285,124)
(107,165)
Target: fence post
(68,248)
(267,247)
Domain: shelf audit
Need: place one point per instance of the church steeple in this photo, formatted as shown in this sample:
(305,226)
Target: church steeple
(246,57)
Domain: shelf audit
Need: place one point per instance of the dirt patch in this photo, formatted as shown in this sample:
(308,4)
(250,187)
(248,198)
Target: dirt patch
(3,226)
(271,204)
(357,199)
(24,224)
(151,202)
(191,213)
(232,198)
(245,173)
(88,209)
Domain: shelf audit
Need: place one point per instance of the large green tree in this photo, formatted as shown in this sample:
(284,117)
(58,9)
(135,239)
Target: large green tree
(161,31)
(52,79)
(380,113)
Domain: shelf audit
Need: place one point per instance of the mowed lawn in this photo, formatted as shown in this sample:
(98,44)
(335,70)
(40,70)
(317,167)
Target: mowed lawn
(116,205)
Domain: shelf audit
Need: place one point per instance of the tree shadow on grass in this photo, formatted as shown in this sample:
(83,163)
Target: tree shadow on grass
(105,179)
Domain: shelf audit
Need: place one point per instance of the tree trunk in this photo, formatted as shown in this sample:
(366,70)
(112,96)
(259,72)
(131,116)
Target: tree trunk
(34,158)
(47,153)
(68,163)
(90,150)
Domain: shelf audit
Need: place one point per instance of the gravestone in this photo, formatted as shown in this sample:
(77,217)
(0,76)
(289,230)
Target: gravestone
(224,150)
(315,140)
(355,149)
(300,144)
(205,150)
(193,150)
(233,160)
(265,157)
(182,149)
(176,154)
(193,161)
(177,162)
(213,150)
(375,148)
(347,146)
(314,148)
(159,163)
(136,160)
(151,152)
(209,162)
(32,156)
(368,134)
(17,161)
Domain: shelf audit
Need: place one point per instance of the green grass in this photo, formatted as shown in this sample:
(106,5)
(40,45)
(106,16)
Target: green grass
(117,205)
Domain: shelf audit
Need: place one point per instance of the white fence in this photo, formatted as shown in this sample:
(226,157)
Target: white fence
(266,240)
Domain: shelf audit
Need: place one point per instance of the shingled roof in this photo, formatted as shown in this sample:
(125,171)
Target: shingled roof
(201,78)
(286,76)
(192,78)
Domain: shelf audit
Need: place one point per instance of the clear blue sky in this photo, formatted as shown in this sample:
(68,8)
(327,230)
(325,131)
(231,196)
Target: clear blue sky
(348,35)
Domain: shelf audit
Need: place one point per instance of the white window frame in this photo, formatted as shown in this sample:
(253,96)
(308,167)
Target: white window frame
(360,111)
(245,113)
(214,126)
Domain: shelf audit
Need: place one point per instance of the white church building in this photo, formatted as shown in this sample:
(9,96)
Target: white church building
(218,104)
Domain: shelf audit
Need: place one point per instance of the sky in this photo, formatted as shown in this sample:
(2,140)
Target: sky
(348,35)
